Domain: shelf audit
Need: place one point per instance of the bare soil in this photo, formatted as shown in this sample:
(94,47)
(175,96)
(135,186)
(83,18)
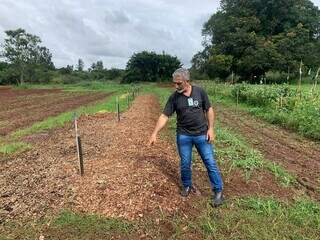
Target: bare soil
(299,156)
(22,108)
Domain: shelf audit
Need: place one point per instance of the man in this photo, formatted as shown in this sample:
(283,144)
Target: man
(195,119)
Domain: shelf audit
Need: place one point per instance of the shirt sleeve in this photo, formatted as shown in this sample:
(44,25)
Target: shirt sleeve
(206,102)
(169,109)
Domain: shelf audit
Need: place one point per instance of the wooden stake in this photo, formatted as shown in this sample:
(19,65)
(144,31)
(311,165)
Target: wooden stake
(314,87)
(79,147)
(237,97)
(80,156)
(232,76)
(118,109)
(300,79)
(128,100)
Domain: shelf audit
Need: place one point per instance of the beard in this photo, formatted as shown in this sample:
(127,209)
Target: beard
(180,90)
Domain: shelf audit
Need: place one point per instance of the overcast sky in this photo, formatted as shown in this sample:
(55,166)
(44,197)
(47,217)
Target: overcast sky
(110,30)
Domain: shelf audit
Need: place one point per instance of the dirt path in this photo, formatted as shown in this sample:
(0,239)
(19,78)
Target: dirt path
(296,154)
(130,179)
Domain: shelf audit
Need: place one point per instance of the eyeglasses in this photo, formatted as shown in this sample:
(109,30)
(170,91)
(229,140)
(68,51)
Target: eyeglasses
(177,83)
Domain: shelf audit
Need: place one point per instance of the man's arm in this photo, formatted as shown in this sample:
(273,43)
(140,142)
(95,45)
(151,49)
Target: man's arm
(210,117)
(163,119)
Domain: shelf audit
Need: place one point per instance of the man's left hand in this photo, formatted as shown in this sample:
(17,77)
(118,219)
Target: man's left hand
(210,135)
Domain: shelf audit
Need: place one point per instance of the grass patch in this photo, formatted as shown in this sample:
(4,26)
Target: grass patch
(280,173)
(262,218)
(232,148)
(276,104)
(107,86)
(91,223)
(243,218)
(70,225)
(11,148)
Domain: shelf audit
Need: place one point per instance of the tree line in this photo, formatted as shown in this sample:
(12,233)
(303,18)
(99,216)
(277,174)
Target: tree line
(26,60)
(250,38)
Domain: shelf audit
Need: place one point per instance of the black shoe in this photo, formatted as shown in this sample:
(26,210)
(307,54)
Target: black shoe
(186,191)
(217,199)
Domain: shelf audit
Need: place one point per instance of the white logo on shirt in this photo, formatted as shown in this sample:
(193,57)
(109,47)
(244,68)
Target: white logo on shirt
(190,102)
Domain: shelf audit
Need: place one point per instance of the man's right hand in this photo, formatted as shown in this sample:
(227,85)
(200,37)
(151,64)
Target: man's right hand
(152,139)
(160,124)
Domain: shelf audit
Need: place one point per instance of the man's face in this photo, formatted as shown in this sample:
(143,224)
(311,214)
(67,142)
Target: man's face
(180,84)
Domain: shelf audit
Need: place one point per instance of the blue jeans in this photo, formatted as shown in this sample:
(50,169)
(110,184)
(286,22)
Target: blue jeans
(205,149)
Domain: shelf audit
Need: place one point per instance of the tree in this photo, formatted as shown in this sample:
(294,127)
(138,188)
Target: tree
(260,36)
(80,65)
(5,73)
(219,65)
(93,67)
(97,72)
(99,66)
(150,67)
(114,73)
(23,51)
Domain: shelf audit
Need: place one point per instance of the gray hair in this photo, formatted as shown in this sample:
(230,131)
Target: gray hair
(182,72)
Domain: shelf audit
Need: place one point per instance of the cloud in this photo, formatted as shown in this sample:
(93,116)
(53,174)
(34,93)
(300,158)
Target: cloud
(116,17)
(109,30)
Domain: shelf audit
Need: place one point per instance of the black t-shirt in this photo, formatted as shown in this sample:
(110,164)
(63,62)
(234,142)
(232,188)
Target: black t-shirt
(191,111)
